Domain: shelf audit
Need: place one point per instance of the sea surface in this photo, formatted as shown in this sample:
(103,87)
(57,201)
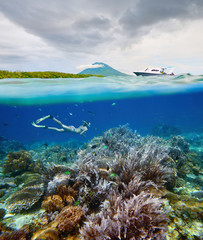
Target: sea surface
(141,102)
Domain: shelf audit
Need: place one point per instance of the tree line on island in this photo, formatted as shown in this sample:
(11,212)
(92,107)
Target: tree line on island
(46,74)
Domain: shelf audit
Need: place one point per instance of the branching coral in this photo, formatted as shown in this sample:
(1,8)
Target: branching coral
(145,165)
(59,179)
(67,193)
(140,217)
(120,139)
(52,203)
(114,141)
(25,198)
(17,162)
(92,185)
(126,153)
(69,218)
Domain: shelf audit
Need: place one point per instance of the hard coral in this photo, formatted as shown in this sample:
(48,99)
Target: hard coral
(67,193)
(69,218)
(59,179)
(140,217)
(186,217)
(52,203)
(50,233)
(25,198)
(22,234)
(17,162)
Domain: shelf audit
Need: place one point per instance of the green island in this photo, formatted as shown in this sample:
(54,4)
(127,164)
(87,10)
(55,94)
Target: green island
(47,74)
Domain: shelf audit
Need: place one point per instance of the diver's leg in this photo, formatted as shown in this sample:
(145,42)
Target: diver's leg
(57,121)
(43,118)
(56,129)
(38,126)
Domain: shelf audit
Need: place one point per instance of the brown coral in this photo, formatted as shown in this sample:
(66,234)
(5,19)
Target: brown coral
(69,218)
(186,217)
(50,233)
(21,234)
(67,193)
(17,162)
(25,198)
(52,203)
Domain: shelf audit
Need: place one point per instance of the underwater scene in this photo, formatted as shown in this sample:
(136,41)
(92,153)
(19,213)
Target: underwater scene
(101,158)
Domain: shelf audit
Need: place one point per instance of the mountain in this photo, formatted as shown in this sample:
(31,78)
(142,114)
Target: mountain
(99,68)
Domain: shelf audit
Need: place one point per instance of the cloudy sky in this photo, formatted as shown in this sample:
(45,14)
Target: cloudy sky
(62,35)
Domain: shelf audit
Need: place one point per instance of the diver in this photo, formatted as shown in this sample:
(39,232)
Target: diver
(64,128)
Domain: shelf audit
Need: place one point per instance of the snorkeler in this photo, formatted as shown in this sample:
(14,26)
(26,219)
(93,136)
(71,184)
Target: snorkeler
(80,130)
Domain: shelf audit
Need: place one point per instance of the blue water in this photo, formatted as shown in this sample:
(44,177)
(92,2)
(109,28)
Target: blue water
(105,102)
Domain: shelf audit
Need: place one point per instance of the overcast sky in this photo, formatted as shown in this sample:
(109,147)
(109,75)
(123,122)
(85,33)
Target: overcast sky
(129,35)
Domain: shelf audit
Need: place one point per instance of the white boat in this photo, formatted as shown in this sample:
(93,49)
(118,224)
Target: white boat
(154,72)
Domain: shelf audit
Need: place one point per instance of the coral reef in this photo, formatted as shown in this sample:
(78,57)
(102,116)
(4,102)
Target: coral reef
(164,130)
(117,185)
(17,162)
(69,218)
(50,233)
(59,179)
(49,171)
(55,153)
(29,179)
(2,213)
(186,217)
(22,234)
(7,183)
(67,193)
(140,217)
(24,198)
(52,203)
(7,146)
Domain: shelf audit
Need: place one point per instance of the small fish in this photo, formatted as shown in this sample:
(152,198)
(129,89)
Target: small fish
(67,172)
(113,104)
(112,175)
(104,147)
(76,105)
(91,113)
(70,114)
(40,109)
(77,203)
(5,124)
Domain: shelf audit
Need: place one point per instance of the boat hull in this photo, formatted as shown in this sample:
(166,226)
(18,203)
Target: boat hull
(149,74)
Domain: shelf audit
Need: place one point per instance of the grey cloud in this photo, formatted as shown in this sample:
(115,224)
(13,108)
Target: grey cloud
(147,13)
(85,25)
(99,23)
(68,25)
(11,58)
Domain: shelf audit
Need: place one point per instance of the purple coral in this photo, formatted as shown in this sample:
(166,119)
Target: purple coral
(140,217)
